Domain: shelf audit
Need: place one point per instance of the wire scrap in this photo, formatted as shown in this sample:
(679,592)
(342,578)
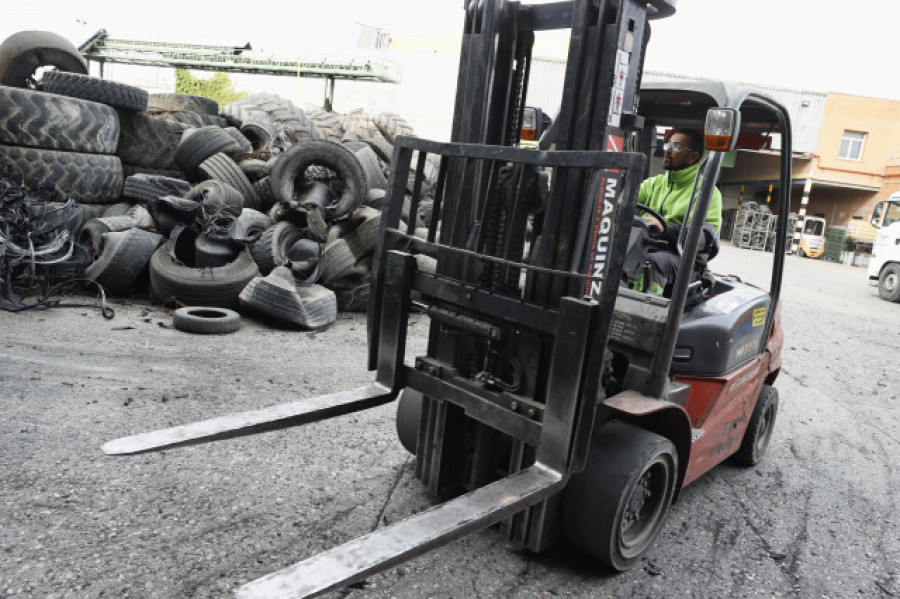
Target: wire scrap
(39,259)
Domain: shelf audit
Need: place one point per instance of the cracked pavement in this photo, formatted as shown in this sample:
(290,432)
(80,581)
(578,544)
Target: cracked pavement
(818,517)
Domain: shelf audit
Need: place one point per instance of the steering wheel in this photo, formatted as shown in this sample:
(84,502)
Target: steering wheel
(640,222)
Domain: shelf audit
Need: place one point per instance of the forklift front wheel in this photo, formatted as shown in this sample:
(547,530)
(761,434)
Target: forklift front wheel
(409,414)
(615,508)
(759,430)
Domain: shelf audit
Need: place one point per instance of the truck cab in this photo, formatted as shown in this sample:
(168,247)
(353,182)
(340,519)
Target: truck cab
(884,266)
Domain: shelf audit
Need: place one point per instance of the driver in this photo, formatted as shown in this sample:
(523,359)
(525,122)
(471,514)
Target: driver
(669,195)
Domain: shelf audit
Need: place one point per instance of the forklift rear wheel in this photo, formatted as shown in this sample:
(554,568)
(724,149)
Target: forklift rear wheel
(615,508)
(759,430)
(409,413)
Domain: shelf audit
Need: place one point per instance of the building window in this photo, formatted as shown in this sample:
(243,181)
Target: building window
(852,145)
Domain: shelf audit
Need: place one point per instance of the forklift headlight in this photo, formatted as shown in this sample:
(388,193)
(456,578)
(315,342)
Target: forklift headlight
(529,124)
(720,132)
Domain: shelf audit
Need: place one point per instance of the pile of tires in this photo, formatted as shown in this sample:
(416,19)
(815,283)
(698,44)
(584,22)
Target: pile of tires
(191,202)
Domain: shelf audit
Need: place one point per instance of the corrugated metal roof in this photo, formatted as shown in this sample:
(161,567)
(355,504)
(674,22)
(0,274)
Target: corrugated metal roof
(806,108)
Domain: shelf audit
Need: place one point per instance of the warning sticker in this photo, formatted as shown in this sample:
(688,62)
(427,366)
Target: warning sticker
(759,316)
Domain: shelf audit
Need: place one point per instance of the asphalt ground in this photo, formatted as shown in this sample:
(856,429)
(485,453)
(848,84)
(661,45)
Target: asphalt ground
(817,518)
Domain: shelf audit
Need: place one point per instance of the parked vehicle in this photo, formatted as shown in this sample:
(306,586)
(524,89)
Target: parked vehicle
(884,266)
(812,238)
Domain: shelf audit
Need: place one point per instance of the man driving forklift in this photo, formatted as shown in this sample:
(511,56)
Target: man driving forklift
(669,195)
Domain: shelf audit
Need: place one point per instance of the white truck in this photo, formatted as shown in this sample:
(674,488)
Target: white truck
(884,267)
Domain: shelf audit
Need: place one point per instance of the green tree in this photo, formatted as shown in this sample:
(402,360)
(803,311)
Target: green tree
(218,87)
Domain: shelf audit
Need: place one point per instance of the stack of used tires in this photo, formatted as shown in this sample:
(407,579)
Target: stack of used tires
(64,142)
(261,206)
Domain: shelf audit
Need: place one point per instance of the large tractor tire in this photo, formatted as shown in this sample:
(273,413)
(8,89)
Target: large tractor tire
(104,91)
(42,120)
(85,178)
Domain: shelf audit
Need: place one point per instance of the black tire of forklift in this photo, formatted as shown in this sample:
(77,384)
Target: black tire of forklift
(759,430)
(889,283)
(409,415)
(615,508)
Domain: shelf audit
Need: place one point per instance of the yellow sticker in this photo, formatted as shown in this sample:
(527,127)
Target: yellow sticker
(759,316)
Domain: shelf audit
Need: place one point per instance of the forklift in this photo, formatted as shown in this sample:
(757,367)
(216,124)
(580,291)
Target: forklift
(553,399)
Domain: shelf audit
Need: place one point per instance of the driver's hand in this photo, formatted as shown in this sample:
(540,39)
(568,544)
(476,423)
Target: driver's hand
(653,224)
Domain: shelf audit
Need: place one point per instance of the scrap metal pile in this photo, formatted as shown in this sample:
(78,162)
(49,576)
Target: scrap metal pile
(39,259)
(257,206)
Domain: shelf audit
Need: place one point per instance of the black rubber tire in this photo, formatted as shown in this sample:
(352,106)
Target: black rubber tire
(124,256)
(368,160)
(360,123)
(147,188)
(186,117)
(328,124)
(296,125)
(392,125)
(221,167)
(361,240)
(306,307)
(200,144)
(889,283)
(147,140)
(409,417)
(200,286)
(104,91)
(292,165)
(85,178)
(382,148)
(259,128)
(210,252)
(759,429)
(623,458)
(263,189)
(336,262)
(23,53)
(254,168)
(240,138)
(136,169)
(40,120)
(249,226)
(270,250)
(170,102)
(206,320)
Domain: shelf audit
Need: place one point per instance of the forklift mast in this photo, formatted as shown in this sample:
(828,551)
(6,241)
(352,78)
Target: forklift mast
(527,254)
(519,273)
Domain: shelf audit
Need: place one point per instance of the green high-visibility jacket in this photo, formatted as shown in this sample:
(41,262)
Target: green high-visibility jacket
(670,192)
